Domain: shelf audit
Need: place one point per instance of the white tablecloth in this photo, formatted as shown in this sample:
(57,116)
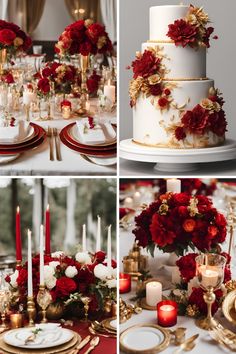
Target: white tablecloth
(36,162)
(204,343)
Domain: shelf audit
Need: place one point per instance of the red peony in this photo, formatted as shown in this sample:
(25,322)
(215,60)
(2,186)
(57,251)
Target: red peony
(189,225)
(46,72)
(183,33)
(7,37)
(100,256)
(218,123)
(187,266)
(64,287)
(8,78)
(155,90)
(161,230)
(93,82)
(85,277)
(146,65)
(207,35)
(95,31)
(22,277)
(196,120)
(181,199)
(44,86)
(180,133)
(196,298)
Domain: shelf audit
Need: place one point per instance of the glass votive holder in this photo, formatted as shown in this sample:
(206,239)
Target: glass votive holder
(124,283)
(167,313)
(16,320)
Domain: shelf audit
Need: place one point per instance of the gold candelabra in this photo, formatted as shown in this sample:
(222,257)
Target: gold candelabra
(31,310)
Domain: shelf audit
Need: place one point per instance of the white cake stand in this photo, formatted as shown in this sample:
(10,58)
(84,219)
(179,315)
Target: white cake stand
(177,160)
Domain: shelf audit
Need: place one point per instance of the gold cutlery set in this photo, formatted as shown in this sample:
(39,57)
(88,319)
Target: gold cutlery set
(92,344)
(225,337)
(53,133)
(97,328)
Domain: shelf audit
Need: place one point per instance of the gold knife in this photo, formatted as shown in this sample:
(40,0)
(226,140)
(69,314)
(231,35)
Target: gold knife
(94,342)
(82,344)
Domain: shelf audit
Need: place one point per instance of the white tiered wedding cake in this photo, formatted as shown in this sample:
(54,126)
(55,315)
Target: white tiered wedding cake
(174,104)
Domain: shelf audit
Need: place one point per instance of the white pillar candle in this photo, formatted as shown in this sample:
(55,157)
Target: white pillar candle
(175,275)
(173,185)
(98,241)
(193,283)
(110,92)
(30,276)
(109,247)
(3,97)
(87,105)
(137,199)
(28,97)
(41,256)
(210,276)
(153,293)
(128,202)
(84,241)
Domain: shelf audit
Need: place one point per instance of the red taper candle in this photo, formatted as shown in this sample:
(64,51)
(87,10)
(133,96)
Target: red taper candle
(47,233)
(18,237)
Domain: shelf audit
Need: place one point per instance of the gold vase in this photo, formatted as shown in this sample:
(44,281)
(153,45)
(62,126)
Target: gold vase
(3,59)
(84,65)
(55,311)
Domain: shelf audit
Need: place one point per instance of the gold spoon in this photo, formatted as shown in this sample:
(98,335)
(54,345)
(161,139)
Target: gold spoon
(187,345)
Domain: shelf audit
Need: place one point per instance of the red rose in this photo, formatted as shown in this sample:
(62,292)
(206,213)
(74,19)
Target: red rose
(182,33)
(212,231)
(94,31)
(86,48)
(7,37)
(8,279)
(64,287)
(206,37)
(46,72)
(85,277)
(163,102)
(141,237)
(44,86)
(218,123)
(146,65)
(167,92)
(8,78)
(93,83)
(161,229)
(187,266)
(22,277)
(227,273)
(196,298)
(180,133)
(189,225)
(100,256)
(181,199)
(196,120)
(155,90)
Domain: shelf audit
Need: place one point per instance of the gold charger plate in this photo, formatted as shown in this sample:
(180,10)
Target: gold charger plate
(228,307)
(151,350)
(142,303)
(61,349)
(107,324)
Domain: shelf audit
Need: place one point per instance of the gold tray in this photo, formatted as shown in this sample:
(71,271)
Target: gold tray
(61,349)
(228,307)
(156,349)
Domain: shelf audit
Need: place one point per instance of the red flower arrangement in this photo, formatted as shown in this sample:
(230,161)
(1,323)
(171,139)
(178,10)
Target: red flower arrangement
(192,30)
(196,298)
(13,38)
(93,82)
(148,74)
(43,86)
(65,276)
(191,186)
(83,37)
(175,222)
(7,77)
(208,116)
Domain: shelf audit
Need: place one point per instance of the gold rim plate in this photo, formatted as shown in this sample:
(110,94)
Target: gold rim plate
(61,349)
(229,307)
(107,324)
(130,345)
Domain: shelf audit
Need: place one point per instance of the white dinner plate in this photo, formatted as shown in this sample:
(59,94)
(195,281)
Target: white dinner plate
(102,161)
(113,324)
(8,158)
(74,135)
(23,139)
(146,338)
(50,336)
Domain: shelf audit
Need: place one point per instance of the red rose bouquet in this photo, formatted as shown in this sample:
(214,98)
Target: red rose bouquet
(192,30)
(83,37)
(13,38)
(85,275)
(175,222)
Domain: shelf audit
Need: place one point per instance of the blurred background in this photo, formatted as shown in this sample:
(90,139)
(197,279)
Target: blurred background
(73,202)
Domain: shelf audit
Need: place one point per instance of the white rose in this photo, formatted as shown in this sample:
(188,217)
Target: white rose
(58,254)
(111,283)
(50,282)
(54,264)
(102,272)
(48,272)
(83,257)
(14,277)
(71,271)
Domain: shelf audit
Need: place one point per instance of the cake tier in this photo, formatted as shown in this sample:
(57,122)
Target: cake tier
(155,128)
(182,63)
(161,17)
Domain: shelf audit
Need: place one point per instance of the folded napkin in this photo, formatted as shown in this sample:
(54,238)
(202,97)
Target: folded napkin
(13,134)
(90,134)
(109,131)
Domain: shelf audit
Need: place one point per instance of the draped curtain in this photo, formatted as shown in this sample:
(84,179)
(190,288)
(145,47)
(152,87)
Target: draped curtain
(84,9)
(3,10)
(108,12)
(26,14)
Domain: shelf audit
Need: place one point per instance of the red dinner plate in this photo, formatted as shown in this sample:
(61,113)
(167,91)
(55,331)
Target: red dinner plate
(89,152)
(67,136)
(37,132)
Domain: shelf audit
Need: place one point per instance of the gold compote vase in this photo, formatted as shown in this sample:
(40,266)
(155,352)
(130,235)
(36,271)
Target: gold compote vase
(84,65)
(210,273)
(3,60)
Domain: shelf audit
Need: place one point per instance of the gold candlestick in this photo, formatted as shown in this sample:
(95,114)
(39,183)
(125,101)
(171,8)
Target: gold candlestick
(31,310)
(44,298)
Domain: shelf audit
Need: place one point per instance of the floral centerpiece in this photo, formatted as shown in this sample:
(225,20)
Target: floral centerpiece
(83,37)
(192,30)
(69,279)
(177,222)
(13,38)
(191,186)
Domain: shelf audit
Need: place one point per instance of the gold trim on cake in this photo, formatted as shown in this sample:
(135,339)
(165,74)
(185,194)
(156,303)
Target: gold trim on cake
(187,79)
(159,41)
(171,145)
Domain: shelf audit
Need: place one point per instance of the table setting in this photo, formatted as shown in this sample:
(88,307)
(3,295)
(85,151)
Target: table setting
(70,102)
(177,268)
(57,302)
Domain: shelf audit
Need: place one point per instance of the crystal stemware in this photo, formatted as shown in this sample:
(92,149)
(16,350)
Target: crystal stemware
(4,305)
(44,299)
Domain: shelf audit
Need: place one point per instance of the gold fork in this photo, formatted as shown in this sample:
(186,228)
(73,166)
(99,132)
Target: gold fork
(49,134)
(58,150)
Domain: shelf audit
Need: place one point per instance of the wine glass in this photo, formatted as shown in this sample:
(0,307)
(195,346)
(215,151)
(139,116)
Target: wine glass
(44,299)
(4,305)
(210,274)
